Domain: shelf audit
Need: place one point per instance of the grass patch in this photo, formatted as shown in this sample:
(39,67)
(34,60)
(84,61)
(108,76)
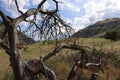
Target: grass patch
(63,62)
(8,75)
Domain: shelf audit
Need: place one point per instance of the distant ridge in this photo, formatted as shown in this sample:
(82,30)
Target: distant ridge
(99,28)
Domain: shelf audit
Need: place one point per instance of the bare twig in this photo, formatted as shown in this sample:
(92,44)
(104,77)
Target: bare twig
(47,12)
(18,7)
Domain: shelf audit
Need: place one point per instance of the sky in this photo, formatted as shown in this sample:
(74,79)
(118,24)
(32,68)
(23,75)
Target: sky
(78,13)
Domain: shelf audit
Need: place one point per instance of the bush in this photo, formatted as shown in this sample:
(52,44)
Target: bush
(113,35)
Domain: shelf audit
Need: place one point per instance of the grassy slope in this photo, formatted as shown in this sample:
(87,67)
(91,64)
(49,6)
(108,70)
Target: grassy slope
(99,28)
(63,62)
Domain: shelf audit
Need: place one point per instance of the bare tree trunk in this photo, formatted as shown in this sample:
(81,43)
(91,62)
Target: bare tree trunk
(15,54)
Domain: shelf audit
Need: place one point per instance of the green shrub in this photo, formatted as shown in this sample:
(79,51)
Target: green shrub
(113,35)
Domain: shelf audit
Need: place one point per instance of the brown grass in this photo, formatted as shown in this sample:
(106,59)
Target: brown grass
(63,62)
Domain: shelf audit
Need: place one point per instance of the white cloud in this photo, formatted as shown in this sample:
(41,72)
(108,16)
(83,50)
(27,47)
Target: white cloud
(77,23)
(95,11)
(35,2)
(10,6)
(69,5)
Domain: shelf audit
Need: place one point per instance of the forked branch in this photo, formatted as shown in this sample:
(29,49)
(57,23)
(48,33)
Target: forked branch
(18,7)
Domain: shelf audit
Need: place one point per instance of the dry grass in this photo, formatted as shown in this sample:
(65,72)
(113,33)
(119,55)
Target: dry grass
(63,62)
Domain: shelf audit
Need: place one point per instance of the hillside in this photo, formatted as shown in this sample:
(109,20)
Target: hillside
(22,37)
(99,28)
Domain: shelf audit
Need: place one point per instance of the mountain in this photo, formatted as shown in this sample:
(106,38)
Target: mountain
(24,39)
(99,28)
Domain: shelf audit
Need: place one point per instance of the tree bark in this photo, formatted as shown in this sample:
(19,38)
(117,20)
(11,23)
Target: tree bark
(36,67)
(74,70)
(15,54)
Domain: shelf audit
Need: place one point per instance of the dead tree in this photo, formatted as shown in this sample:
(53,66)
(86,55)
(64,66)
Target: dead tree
(50,26)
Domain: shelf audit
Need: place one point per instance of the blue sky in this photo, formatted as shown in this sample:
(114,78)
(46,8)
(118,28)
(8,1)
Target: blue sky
(79,13)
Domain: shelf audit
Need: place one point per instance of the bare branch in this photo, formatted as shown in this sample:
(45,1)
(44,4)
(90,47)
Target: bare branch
(3,24)
(50,27)
(74,70)
(82,64)
(4,17)
(25,15)
(41,3)
(46,11)
(56,50)
(18,7)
